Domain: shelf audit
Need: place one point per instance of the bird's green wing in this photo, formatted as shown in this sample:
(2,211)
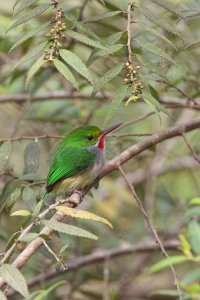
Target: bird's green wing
(68,162)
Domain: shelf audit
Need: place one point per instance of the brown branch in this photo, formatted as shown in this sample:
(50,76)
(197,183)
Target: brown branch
(152,228)
(101,255)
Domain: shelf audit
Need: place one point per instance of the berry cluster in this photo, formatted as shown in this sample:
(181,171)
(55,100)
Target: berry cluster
(56,34)
(131,78)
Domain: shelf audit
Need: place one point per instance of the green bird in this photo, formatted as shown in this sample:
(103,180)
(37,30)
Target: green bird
(78,160)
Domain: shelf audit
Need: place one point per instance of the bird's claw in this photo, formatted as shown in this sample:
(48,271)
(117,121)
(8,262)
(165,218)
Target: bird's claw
(76,198)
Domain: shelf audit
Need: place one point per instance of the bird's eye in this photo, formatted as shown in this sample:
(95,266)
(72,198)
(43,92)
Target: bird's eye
(90,137)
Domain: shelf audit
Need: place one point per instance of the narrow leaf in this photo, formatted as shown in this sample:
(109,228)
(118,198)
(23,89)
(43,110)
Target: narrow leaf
(113,38)
(28,237)
(5,152)
(29,197)
(191,276)
(102,17)
(64,70)
(151,66)
(170,6)
(25,5)
(35,67)
(14,278)
(75,213)
(31,158)
(160,36)
(69,229)
(164,24)
(115,104)
(28,16)
(154,49)
(13,199)
(191,212)
(21,213)
(76,63)
(195,201)
(194,236)
(155,102)
(84,39)
(108,76)
(174,260)
(95,54)
(132,98)
(29,35)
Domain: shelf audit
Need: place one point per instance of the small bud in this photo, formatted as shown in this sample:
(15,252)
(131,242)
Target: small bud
(137,67)
(63,27)
(126,80)
(130,68)
(134,71)
(59,22)
(127,64)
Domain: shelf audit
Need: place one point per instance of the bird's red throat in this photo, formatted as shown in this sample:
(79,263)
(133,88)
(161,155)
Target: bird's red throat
(101,144)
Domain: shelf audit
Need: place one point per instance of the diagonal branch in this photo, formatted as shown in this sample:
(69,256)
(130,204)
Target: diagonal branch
(152,228)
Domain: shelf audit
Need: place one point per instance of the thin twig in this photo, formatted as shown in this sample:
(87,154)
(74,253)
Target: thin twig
(58,259)
(151,226)
(35,138)
(195,155)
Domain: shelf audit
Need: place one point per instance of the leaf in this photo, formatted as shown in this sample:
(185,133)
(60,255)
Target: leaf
(32,177)
(191,276)
(170,7)
(13,199)
(159,107)
(31,54)
(5,152)
(35,67)
(108,76)
(95,54)
(193,44)
(194,236)
(115,104)
(69,229)
(28,237)
(160,36)
(28,16)
(29,197)
(12,239)
(64,70)
(21,213)
(194,201)
(191,212)
(65,247)
(25,5)
(2,296)
(77,213)
(84,39)
(102,17)
(132,98)
(164,24)
(76,63)
(29,35)
(154,49)
(13,277)
(151,66)
(31,158)
(113,38)
(174,260)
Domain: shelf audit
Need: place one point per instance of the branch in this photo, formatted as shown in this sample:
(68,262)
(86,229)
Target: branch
(152,228)
(99,256)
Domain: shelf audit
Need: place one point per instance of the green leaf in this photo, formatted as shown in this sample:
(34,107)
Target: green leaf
(164,24)
(5,152)
(151,66)
(108,76)
(150,98)
(76,63)
(170,6)
(13,277)
(31,54)
(69,229)
(191,212)
(160,36)
(35,67)
(95,54)
(154,49)
(31,158)
(64,70)
(28,16)
(25,5)
(29,197)
(193,44)
(2,296)
(84,39)
(191,276)
(12,239)
(115,104)
(28,237)
(82,214)
(29,35)
(132,98)
(113,38)
(21,213)
(195,201)
(13,199)
(31,177)
(102,17)
(65,247)
(194,236)
(174,260)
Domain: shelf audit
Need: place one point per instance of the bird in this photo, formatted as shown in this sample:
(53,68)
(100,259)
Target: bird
(78,160)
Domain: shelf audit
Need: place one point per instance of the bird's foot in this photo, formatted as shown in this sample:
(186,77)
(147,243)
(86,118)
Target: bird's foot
(76,198)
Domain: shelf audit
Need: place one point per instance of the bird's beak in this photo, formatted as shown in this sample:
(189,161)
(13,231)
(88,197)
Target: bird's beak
(110,129)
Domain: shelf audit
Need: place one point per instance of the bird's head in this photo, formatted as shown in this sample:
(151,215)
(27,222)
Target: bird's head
(88,136)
